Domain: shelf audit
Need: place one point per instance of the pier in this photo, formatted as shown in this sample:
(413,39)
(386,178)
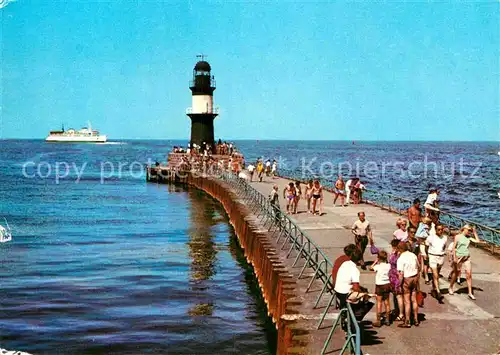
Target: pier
(292,257)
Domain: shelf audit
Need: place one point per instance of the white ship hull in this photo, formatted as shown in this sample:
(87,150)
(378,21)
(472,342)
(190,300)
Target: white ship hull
(76,139)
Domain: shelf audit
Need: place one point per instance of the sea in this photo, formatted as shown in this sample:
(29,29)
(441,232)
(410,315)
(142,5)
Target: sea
(103,262)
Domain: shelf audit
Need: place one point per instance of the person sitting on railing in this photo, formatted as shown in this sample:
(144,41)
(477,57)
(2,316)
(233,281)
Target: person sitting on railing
(350,184)
(345,274)
(401,233)
(432,206)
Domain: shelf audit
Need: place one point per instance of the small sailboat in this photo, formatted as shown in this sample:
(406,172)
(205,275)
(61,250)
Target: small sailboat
(5,232)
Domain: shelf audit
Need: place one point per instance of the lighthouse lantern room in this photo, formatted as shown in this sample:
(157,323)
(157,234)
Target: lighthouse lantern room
(202,111)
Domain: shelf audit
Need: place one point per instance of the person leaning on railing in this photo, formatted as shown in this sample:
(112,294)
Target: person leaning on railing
(345,274)
(274,200)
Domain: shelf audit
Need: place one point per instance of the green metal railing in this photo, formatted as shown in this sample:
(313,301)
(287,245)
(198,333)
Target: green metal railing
(292,239)
(400,205)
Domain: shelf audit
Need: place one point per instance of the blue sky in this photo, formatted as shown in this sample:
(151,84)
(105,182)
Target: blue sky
(284,70)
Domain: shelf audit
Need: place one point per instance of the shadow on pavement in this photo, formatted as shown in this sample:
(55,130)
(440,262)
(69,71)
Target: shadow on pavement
(369,336)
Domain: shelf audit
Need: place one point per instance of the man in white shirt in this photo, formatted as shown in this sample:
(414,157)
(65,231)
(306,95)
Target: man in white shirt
(346,277)
(408,269)
(362,234)
(274,199)
(437,250)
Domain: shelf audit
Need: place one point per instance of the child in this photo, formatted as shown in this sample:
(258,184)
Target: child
(382,288)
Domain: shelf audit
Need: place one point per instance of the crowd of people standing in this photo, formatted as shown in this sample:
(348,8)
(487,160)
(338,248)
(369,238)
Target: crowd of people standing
(420,246)
(416,253)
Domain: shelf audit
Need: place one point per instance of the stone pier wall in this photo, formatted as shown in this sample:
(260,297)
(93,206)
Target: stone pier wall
(275,281)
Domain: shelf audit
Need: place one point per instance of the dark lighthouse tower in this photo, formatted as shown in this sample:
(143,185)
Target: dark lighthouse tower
(202,111)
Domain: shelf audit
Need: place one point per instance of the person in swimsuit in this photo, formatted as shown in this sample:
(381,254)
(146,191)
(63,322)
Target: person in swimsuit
(317,196)
(289,194)
(298,193)
(308,194)
(339,191)
(414,214)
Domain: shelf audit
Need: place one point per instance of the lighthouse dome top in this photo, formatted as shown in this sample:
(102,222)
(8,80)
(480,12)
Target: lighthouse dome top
(202,66)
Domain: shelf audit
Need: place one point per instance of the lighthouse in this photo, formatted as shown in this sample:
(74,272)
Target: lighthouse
(202,111)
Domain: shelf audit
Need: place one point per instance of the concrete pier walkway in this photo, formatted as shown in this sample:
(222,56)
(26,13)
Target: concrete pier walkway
(459,326)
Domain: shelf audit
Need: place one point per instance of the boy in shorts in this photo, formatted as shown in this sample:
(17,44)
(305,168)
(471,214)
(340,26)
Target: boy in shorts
(382,288)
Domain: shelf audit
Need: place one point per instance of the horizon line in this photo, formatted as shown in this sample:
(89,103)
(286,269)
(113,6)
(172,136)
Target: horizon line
(286,140)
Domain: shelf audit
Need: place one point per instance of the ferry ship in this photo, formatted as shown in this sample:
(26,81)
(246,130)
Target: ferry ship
(84,135)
